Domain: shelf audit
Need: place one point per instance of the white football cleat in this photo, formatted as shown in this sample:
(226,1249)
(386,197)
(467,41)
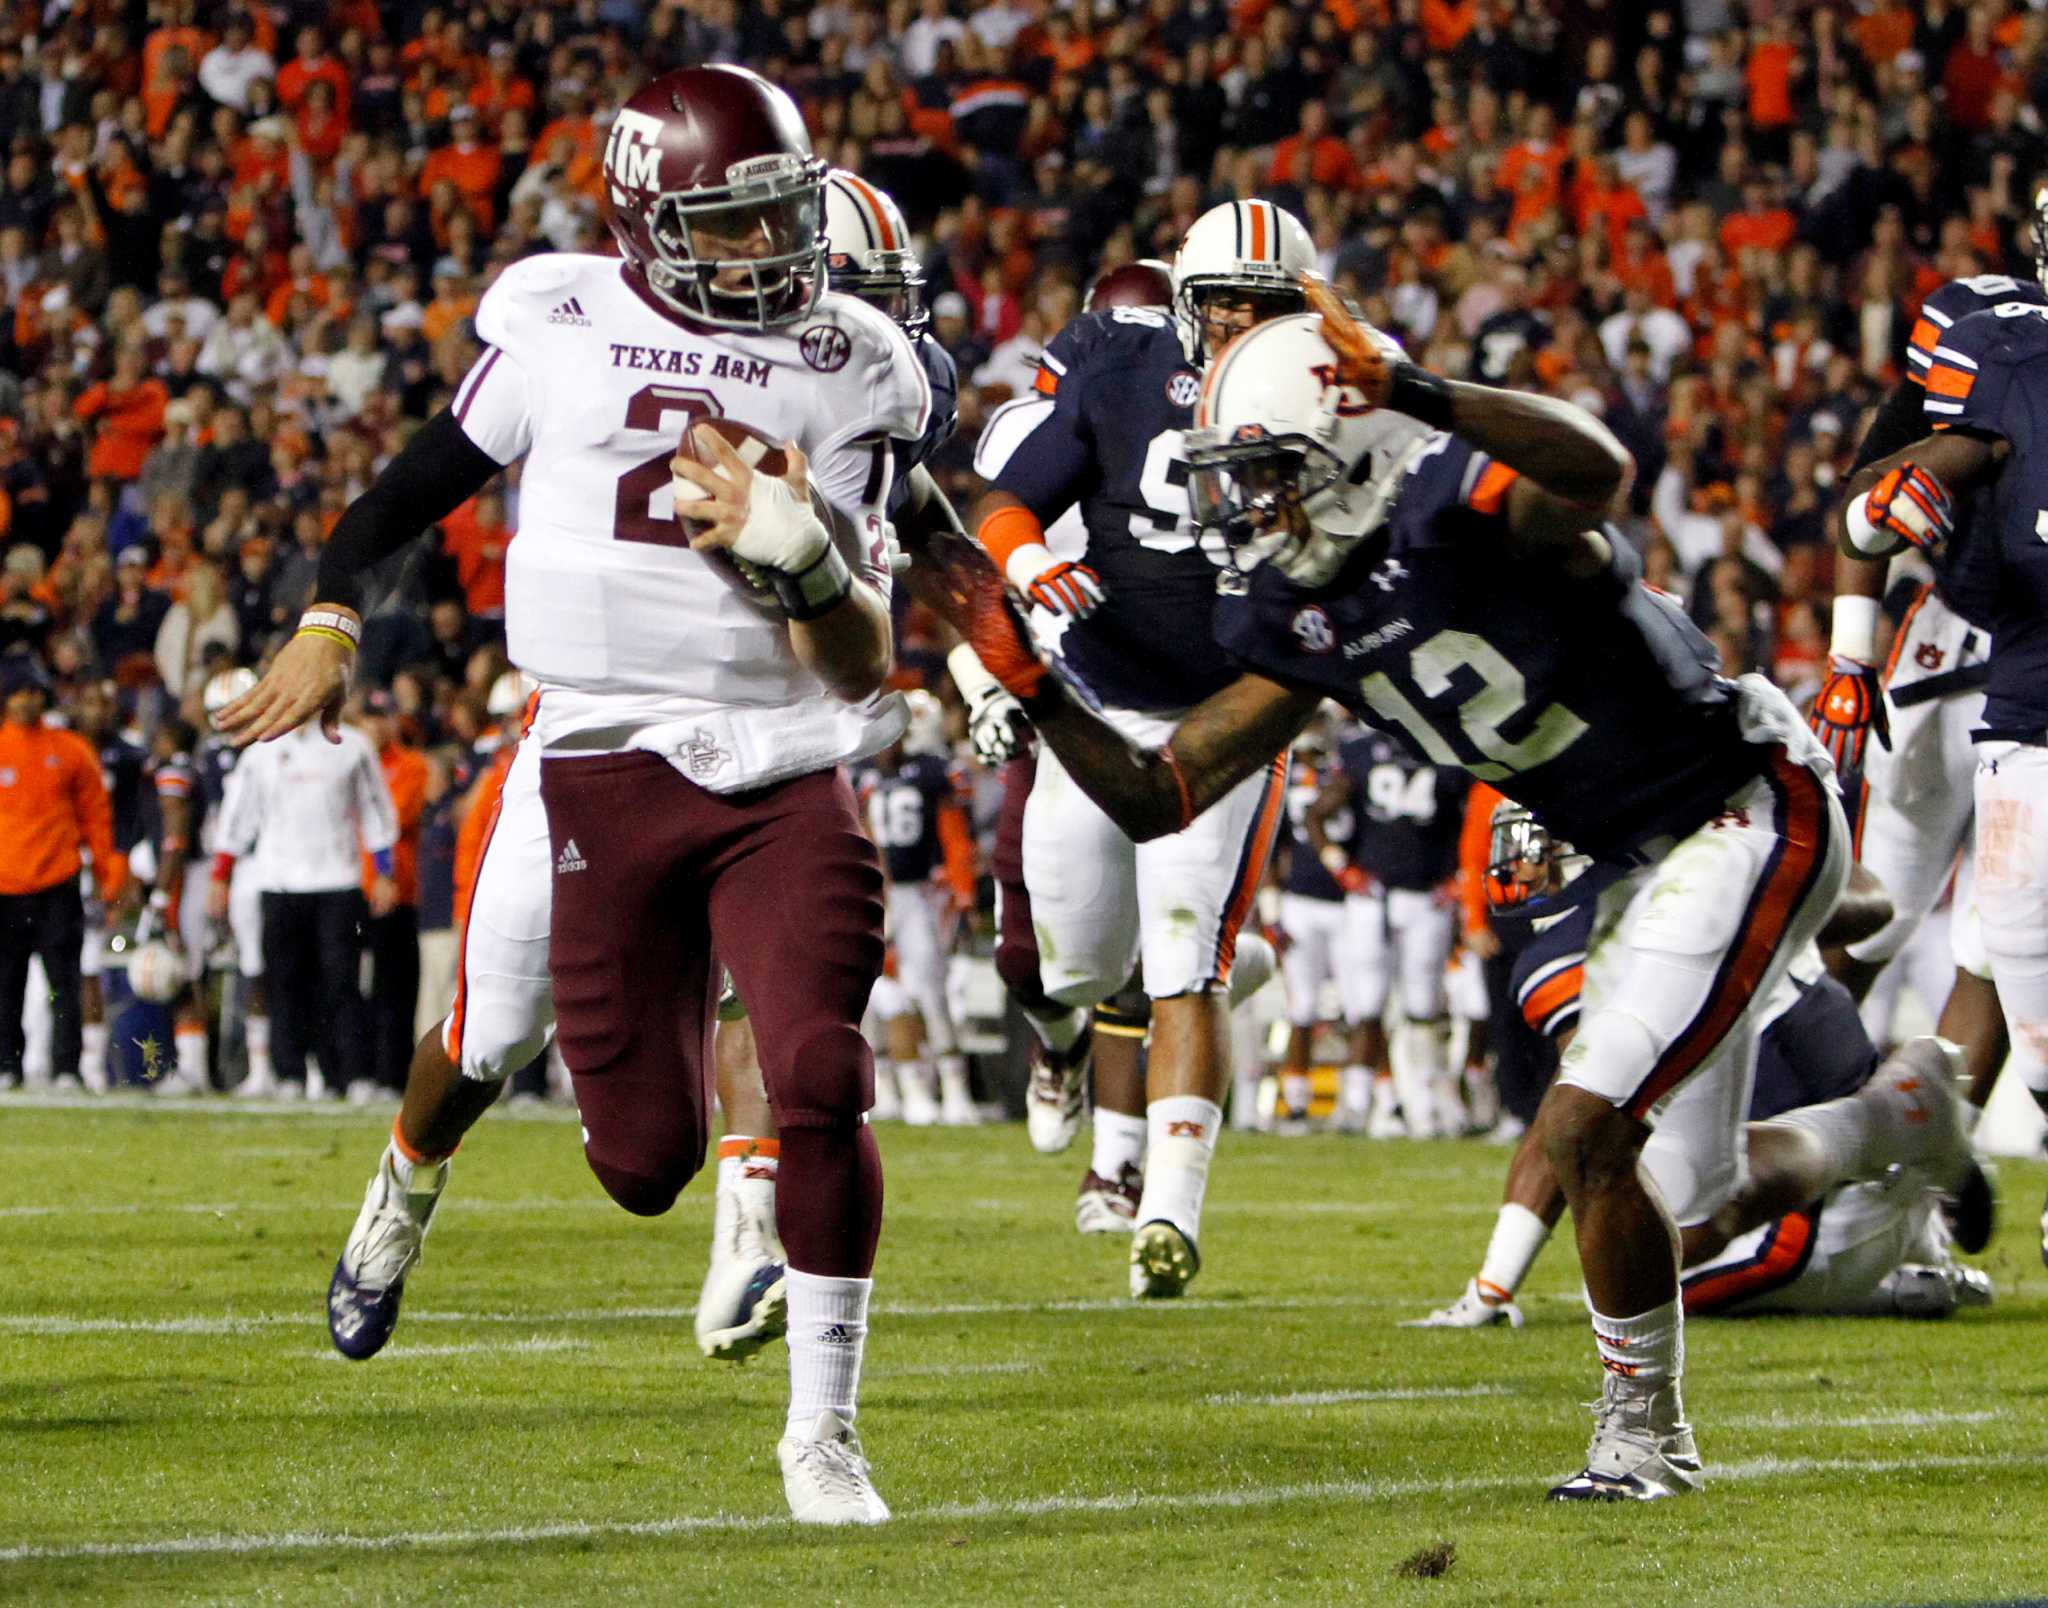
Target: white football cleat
(1384,1121)
(956,1101)
(1109,1205)
(1642,1451)
(920,1108)
(1164,1262)
(1470,1311)
(1924,1075)
(1054,1098)
(826,1478)
(743,1305)
(888,1106)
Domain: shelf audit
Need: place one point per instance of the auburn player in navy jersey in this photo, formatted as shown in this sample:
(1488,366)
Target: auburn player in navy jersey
(1987,397)
(1430,554)
(243,1014)
(1310,919)
(1911,795)
(913,799)
(1122,386)
(1401,911)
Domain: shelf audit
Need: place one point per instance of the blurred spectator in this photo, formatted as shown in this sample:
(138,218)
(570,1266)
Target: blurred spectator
(203,619)
(128,622)
(393,933)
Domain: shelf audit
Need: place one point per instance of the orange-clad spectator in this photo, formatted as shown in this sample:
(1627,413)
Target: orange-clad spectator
(183,35)
(1330,163)
(1602,199)
(393,938)
(1883,33)
(1531,173)
(468,164)
(129,409)
(172,81)
(1763,223)
(476,536)
(1640,264)
(53,803)
(1774,61)
(1070,51)
(500,89)
(1445,23)
(310,64)
(1973,72)
(302,279)
(480,810)
(261,160)
(319,123)
(453,302)
(258,268)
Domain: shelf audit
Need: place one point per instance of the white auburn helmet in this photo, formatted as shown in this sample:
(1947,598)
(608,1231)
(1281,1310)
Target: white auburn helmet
(1252,247)
(156,971)
(926,731)
(1274,430)
(868,252)
(224,687)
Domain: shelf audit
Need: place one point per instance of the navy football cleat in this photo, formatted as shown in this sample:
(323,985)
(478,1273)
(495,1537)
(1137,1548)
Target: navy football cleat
(369,1279)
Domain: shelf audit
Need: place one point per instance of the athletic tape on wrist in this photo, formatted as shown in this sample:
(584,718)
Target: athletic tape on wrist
(816,591)
(1853,633)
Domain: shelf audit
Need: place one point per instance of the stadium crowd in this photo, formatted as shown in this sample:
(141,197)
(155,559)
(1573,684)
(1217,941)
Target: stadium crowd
(241,245)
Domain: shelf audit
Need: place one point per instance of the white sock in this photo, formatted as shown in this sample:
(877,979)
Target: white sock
(1354,1085)
(1244,1099)
(828,1332)
(92,1054)
(191,1049)
(1643,1354)
(953,1077)
(1057,1033)
(1180,1134)
(1518,1235)
(1860,1136)
(1296,1090)
(413,1177)
(746,1178)
(256,1035)
(1119,1143)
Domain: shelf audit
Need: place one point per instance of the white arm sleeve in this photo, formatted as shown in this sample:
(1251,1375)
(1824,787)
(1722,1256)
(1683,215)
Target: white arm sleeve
(241,806)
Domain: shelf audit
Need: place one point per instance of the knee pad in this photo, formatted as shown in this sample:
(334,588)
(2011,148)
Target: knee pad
(827,1082)
(1612,1055)
(646,1189)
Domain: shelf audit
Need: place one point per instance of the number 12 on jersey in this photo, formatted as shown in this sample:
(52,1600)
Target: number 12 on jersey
(1502,696)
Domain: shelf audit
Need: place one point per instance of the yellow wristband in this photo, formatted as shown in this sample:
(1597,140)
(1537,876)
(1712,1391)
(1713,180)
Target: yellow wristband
(322,631)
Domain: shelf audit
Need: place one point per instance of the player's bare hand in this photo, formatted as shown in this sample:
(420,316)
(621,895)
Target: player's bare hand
(383,896)
(308,677)
(762,520)
(1483,942)
(1362,362)
(217,901)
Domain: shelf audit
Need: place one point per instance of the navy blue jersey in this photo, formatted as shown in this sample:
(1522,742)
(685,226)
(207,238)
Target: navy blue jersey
(1123,392)
(174,778)
(1814,1050)
(1990,377)
(121,767)
(1966,575)
(1592,700)
(1306,874)
(212,764)
(1409,813)
(945,417)
(903,807)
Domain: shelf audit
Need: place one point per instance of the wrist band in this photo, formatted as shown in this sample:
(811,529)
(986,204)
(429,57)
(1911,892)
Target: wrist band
(381,859)
(1865,537)
(814,591)
(1006,530)
(1853,633)
(343,625)
(1423,396)
(223,866)
(348,642)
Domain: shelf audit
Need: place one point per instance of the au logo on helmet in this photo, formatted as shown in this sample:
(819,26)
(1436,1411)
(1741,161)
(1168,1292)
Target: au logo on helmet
(825,347)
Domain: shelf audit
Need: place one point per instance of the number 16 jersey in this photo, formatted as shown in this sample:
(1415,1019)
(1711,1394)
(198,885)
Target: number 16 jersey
(1118,393)
(636,641)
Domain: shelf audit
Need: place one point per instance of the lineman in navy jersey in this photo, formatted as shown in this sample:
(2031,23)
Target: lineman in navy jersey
(1122,385)
(1986,408)
(1427,551)
(1399,915)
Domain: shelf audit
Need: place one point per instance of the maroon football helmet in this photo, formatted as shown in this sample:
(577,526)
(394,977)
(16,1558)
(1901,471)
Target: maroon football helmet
(1148,282)
(714,196)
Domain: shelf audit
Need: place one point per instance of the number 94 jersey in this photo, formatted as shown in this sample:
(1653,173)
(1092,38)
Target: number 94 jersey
(1119,391)
(1409,814)
(594,386)
(1591,701)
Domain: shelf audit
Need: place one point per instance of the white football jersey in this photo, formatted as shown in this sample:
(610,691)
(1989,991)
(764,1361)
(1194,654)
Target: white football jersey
(635,640)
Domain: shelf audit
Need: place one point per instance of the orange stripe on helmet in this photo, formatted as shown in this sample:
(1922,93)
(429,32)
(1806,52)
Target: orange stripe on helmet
(1258,219)
(868,194)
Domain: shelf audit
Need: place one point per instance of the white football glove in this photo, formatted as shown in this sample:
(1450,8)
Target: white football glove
(1052,583)
(996,726)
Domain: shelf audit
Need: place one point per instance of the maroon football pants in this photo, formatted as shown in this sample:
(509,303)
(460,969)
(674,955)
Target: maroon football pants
(1016,938)
(656,883)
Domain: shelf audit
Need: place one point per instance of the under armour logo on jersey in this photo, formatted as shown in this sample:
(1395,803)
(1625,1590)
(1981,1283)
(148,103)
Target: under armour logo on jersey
(570,859)
(570,312)
(1388,573)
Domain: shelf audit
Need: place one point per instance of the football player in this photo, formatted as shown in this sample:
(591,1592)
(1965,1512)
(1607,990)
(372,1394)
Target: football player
(1122,386)
(242,1006)
(1868,1242)
(687,741)
(1317,950)
(1985,387)
(1912,795)
(1400,909)
(1431,554)
(915,804)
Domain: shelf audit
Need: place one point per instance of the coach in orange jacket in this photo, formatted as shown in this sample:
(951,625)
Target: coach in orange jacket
(52,803)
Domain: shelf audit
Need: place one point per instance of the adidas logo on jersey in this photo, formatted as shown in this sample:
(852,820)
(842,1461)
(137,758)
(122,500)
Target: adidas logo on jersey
(570,859)
(570,312)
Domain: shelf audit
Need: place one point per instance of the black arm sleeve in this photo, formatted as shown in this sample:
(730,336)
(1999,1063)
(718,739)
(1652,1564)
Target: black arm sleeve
(1899,423)
(437,471)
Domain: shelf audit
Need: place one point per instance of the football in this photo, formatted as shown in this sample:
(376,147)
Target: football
(765,456)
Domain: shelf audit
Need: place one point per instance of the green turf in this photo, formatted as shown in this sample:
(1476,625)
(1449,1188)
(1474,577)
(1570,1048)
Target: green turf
(543,1415)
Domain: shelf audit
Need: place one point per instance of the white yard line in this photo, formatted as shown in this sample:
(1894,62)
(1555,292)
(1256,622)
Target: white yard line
(1255,1496)
(1339,1398)
(471,1348)
(1931,1418)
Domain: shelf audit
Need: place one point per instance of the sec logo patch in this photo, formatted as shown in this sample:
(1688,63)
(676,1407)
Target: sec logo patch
(1312,630)
(825,347)
(1183,389)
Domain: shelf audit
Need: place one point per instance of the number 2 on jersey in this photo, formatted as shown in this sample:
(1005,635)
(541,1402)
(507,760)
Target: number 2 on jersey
(1502,696)
(633,518)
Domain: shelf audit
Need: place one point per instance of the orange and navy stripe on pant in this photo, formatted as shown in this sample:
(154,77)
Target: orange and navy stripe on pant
(1781,1256)
(1251,869)
(1794,866)
(1859,806)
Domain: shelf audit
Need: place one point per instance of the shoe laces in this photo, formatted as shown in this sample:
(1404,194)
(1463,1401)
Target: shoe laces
(836,1467)
(394,1240)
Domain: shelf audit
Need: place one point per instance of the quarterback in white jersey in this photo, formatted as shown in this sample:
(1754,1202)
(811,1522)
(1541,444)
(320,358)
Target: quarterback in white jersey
(690,730)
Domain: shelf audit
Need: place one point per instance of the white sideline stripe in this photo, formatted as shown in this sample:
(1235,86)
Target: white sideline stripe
(472,1348)
(246,1323)
(241,1208)
(1928,1418)
(1337,1398)
(229,1106)
(1257,1496)
(949,1370)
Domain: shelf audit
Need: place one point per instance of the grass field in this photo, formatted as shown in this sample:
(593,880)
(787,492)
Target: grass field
(542,1429)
